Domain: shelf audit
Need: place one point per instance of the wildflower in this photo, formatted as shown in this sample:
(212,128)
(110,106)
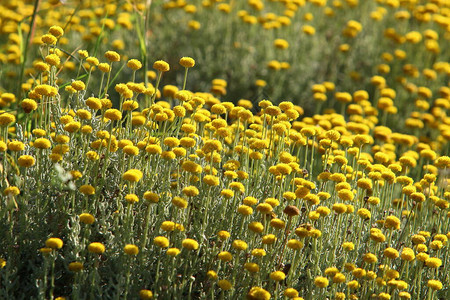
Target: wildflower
(348,246)
(258,293)
(434,284)
(42,143)
(134,64)
(404,295)
(211,180)
(26,161)
(161,66)
(87,218)
(179,202)
(104,67)
(223,235)
(173,252)
(225,256)
(264,208)
(131,249)
(28,105)
(391,253)
(251,267)
(392,222)
(321,282)
(190,244)
(269,239)
(145,294)
(224,284)
(113,114)
(187,62)
(97,248)
(259,252)
(76,266)
(277,276)
(112,56)
(132,175)
(433,262)
(52,60)
(87,189)
(407,254)
(370,258)
(131,198)
(339,208)
(239,245)
(256,227)
(364,213)
(353,284)
(56,31)
(6,119)
(54,243)
(212,275)
(191,191)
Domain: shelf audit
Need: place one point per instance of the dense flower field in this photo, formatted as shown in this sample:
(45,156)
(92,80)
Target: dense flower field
(254,149)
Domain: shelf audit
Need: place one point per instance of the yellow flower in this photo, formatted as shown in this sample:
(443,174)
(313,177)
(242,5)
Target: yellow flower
(26,161)
(179,202)
(348,246)
(223,235)
(131,198)
(258,293)
(131,249)
(173,252)
(269,239)
(391,253)
(161,66)
(239,245)
(407,254)
(87,189)
(225,256)
(251,267)
(339,278)
(6,119)
(42,143)
(187,62)
(145,294)
(321,282)
(353,284)
(364,213)
(211,180)
(113,114)
(259,252)
(76,266)
(161,241)
(256,227)
(87,218)
(97,248)
(132,175)
(434,284)
(190,244)
(151,197)
(28,105)
(52,60)
(224,284)
(54,243)
(433,262)
(56,31)
(294,244)
(112,56)
(134,64)
(392,222)
(277,276)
